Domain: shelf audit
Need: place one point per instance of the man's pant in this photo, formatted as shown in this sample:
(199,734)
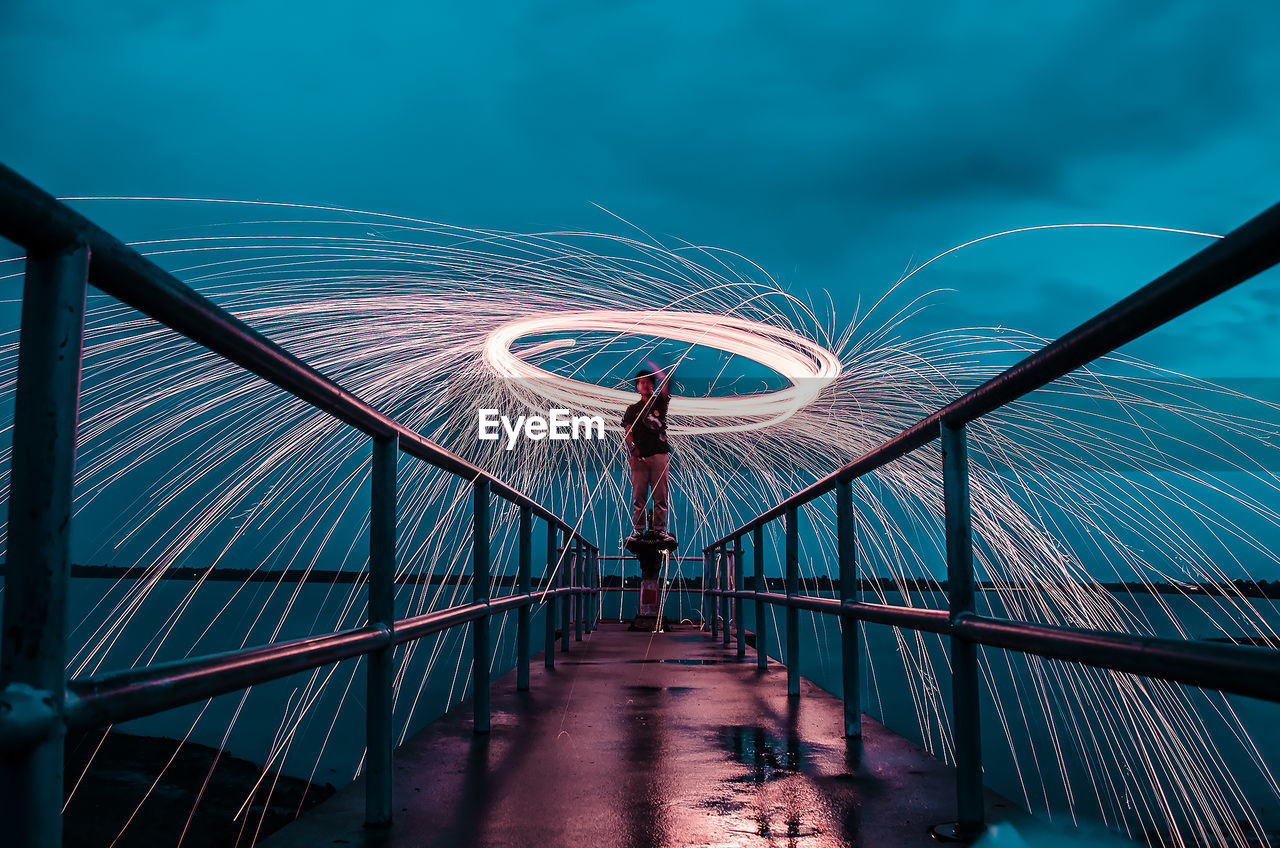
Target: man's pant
(649,472)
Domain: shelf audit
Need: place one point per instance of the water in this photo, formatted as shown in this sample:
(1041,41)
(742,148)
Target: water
(221,616)
(1016,743)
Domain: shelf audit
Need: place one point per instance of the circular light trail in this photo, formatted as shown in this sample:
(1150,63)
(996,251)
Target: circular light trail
(808,366)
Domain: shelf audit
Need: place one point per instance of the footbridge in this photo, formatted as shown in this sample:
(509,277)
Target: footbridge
(692,736)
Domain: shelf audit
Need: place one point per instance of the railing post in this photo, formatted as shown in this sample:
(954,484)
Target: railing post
(579,605)
(850,650)
(380,695)
(793,615)
(566,603)
(549,608)
(594,600)
(713,574)
(589,600)
(708,619)
(480,594)
(964,654)
(739,585)
(522,588)
(725,583)
(586,584)
(762,623)
(33,657)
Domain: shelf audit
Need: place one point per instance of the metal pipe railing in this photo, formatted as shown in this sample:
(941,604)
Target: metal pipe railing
(793,587)
(33,653)
(566,604)
(762,626)
(409,629)
(119,696)
(850,646)
(1243,253)
(1237,669)
(523,587)
(480,591)
(133,693)
(725,582)
(64,252)
(380,680)
(964,654)
(738,583)
(37,221)
(549,615)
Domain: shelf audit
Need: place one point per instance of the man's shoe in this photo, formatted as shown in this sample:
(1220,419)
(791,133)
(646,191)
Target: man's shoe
(665,537)
(634,537)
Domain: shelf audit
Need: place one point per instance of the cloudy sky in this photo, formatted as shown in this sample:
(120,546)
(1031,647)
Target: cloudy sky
(834,143)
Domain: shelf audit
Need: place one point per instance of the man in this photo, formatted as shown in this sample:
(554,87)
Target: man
(645,424)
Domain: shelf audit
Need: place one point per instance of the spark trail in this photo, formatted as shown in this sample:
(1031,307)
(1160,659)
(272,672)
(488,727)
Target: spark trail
(184,460)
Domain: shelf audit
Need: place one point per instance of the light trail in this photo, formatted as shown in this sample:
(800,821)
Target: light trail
(809,367)
(183,460)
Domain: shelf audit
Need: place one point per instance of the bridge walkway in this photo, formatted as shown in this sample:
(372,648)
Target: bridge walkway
(647,740)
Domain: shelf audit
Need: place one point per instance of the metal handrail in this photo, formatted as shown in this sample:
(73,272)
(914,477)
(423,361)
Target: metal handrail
(65,252)
(1254,671)
(1239,669)
(1243,253)
(42,224)
(133,693)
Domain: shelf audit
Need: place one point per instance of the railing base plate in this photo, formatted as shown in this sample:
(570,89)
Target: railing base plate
(955,832)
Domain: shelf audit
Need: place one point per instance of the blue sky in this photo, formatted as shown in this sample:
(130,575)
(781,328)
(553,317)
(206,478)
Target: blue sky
(834,143)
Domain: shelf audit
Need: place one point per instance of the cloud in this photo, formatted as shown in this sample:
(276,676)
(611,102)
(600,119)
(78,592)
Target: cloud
(830,136)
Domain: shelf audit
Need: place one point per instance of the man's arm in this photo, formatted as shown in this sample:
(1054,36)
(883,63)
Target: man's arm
(661,380)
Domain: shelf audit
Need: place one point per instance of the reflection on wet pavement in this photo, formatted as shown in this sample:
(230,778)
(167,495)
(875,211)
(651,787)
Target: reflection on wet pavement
(768,756)
(634,741)
(770,801)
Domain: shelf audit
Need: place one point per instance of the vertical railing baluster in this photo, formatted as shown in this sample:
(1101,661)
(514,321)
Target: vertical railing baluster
(964,654)
(709,566)
(739,585)
(586,584)
(579,605)
(588,600)
(762,623)
(793,615)
(566,602)
(706,599)
(594,599)
(33,657)
(549,608)
(523,566)
(850,649)
(380,693)
(480,589)
(725,583)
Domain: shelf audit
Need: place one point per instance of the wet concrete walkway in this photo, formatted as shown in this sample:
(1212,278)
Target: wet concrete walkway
(644,740)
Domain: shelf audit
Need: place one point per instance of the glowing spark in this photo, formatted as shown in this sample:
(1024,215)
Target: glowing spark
(809,367)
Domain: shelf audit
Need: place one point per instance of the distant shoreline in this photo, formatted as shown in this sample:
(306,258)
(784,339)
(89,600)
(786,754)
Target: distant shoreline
(823,583)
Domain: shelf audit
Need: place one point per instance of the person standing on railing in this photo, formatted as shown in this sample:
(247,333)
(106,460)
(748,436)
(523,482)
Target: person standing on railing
(645,425)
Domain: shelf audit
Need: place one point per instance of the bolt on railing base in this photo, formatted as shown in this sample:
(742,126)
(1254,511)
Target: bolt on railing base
(957,832)
(28,716)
